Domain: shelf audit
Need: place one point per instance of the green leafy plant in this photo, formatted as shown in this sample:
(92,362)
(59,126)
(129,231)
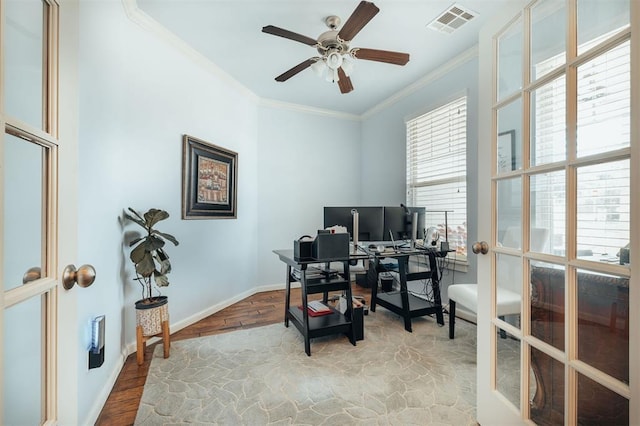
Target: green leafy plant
(151,261)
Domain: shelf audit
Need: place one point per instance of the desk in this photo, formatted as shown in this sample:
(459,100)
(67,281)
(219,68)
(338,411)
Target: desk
(325,325)
(603,342)
(402,302)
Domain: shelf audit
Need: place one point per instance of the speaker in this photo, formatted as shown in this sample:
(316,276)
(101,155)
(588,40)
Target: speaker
(624,256)
(330,246)
(302,249)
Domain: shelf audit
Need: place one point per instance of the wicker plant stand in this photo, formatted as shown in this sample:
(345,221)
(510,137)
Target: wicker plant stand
(152,320)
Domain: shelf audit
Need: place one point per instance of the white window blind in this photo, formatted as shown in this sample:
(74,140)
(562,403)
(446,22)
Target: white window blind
(437,169)
(603,126)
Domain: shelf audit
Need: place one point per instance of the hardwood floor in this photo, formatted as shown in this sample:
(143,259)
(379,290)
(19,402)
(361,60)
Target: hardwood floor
(255,311)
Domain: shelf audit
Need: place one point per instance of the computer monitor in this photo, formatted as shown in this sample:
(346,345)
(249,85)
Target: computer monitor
(399,220)
(370,221)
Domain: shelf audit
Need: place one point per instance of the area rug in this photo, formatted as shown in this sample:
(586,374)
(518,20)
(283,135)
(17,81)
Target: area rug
(262,376)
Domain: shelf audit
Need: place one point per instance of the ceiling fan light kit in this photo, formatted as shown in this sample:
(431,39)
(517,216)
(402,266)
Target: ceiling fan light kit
(336,60)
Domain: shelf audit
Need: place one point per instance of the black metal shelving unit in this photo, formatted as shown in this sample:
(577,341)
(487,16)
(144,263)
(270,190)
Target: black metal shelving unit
(313,282)
(402,302)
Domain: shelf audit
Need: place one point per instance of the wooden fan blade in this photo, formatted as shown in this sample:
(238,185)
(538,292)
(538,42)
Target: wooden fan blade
(396,58)
(358,19)
(344,82)
(295,70)
(270,29)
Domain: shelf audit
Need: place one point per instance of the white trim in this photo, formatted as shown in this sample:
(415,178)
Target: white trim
(101,399)
(131,346)
(146,22)
(439,104)
(149,24)
(634,307)
(220,306)
(308,109)
(441,71)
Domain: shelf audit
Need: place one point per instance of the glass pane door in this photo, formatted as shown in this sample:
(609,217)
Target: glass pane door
(562,214)
(28,204)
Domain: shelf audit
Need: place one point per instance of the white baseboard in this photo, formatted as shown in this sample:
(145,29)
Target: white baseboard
(130,347)
(175,327)
(98,405)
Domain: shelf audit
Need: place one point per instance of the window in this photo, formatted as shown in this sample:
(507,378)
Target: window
(603,126)
(437,170)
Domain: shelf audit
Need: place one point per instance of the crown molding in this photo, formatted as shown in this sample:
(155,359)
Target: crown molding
(441,71)
(146,22)
(309,110)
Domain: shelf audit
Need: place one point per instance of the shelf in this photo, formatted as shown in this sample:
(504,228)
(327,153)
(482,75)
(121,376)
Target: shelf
(323,325)
(403,302)
(417,306)
(314,282)
(322,286)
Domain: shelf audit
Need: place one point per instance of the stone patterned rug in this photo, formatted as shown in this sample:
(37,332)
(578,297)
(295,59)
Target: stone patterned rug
(262,376)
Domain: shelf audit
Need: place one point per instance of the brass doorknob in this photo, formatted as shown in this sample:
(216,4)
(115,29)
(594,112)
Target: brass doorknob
(84,276)
(480,247)
(32,274)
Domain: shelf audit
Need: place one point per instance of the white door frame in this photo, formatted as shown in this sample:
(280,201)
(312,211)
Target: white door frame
(70,360)
(489,408)
(492,408)
(62,343)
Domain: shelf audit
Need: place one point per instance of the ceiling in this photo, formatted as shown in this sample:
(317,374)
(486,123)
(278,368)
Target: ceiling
(228,32)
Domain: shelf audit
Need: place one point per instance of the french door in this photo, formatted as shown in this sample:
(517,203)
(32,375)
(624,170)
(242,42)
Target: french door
(38,327)
(556,109)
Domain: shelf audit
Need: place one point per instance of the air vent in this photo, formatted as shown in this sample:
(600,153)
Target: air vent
(452,19)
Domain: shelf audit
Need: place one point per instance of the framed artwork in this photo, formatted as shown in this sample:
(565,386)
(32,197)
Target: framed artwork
(209,180)
(506,151)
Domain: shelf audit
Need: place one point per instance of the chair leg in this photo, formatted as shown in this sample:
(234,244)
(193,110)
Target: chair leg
(452,317)
(166,342)
(503,334)
(140,345)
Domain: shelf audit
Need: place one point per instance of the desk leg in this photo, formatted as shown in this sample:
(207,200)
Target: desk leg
(435,287)
(287,297)
(372,279)
(350,311)
(305,312)
(403,263)
(325,295)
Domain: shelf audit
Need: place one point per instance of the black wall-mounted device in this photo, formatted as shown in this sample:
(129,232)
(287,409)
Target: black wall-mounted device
(96,352)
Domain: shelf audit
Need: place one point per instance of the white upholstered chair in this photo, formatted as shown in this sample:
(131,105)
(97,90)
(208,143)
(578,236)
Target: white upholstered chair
(508,299)
(508,302)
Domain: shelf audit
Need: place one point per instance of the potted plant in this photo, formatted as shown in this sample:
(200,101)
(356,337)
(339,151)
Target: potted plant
(152,266)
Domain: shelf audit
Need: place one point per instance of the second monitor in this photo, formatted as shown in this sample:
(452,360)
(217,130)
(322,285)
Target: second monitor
(370,221)
(374,223)
(399,222)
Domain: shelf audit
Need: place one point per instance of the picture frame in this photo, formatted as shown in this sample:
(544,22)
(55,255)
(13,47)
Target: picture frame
(506,151)
(209,180)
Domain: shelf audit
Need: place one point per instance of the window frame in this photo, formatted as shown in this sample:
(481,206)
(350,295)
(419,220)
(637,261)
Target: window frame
(459,175)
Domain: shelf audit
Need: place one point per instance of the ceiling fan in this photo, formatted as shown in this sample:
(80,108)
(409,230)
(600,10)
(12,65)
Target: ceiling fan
(335,60)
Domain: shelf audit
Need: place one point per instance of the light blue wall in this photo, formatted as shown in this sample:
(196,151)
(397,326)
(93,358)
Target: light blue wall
(306,161)
(138,96)
(384,146)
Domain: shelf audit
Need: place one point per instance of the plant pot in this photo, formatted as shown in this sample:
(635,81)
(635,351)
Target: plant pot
(150,313)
